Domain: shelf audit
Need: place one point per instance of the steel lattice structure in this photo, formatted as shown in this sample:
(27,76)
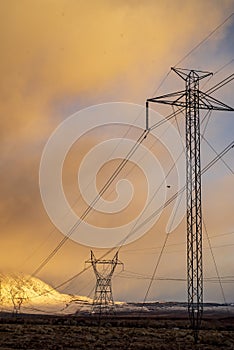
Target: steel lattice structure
(193,100)
(103,301)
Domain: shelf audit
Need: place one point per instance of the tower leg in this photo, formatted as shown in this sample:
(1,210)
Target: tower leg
(194,211)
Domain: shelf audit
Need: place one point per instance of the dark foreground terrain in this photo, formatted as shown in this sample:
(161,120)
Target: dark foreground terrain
(164,332)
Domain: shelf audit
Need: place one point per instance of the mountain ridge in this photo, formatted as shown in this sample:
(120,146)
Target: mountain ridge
(21,291)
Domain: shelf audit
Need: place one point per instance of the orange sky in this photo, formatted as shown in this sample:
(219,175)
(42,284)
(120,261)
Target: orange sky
(60,56)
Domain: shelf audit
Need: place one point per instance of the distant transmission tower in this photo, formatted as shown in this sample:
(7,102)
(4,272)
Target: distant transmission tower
(103,301)
(193,100)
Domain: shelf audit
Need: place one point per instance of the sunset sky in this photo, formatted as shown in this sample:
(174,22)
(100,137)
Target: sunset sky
(61,56)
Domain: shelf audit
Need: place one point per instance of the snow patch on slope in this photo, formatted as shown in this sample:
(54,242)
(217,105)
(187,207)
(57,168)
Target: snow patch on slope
(25,293)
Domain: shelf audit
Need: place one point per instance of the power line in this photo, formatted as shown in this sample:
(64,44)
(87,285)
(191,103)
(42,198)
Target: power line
(222,160)
(153,196)
(169,201)
(80,196)
(174,279)
(90,206)
(224,66)
(215,264)
(162,82)
(169,117)
(218,157)
(103,190)
(218,71)
(222,83)
(207,122)
(208,143)
(155,269)
(152,278)
(204,40)
(173,244)
(182,250)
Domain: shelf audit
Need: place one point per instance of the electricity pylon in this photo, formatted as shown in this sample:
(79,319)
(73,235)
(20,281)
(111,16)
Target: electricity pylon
(103,301)
(193,100)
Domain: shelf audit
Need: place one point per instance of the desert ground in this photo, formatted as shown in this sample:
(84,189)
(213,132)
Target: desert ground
(84,332)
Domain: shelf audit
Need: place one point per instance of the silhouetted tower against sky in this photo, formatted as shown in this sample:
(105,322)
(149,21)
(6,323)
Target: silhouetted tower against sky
(103,301)
(193,100)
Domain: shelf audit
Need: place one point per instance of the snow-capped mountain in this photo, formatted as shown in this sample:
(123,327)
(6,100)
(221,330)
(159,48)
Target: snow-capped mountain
(24,293)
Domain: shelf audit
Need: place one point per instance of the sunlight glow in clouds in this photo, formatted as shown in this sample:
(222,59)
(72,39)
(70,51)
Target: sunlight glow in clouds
(59,56)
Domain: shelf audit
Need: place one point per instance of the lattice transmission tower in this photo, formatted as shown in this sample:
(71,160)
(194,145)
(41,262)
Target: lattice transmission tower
(103,301)
(192,100)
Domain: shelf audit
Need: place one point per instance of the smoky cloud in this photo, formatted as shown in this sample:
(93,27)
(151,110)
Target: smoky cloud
(60,56)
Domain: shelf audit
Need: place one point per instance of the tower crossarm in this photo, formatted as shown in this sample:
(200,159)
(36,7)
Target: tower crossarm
(209,102)
(175,98)
(179,99)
